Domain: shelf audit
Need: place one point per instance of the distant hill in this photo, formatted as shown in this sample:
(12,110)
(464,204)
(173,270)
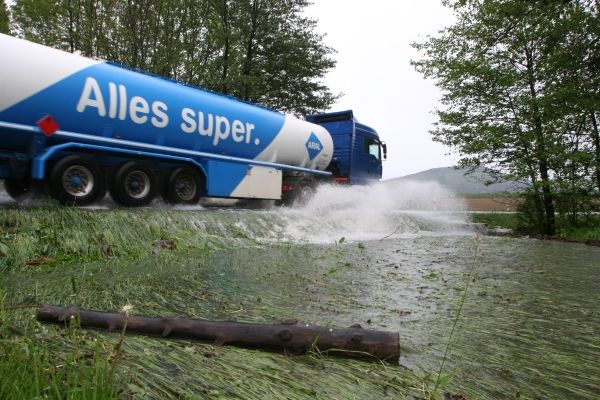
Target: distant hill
(456,180)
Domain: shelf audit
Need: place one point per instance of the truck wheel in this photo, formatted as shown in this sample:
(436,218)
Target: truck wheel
(75,180)
(184,186)
(134,185)
(301,194)
(17,188)
(305,193)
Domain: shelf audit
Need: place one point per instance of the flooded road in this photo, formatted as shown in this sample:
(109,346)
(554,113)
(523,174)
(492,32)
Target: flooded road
(513,318)
(529,326)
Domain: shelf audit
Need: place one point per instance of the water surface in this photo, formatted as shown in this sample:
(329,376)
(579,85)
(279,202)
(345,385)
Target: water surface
(392,259)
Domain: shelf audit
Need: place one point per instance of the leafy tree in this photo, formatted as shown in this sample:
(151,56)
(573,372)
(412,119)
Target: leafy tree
(258,50)
(511,76)
(4,21)
(282,58)
(38,21)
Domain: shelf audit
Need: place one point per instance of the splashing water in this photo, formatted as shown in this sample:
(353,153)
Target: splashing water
(375,212)
(382,210)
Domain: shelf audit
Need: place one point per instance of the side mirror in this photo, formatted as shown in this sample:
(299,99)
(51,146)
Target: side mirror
(384,146)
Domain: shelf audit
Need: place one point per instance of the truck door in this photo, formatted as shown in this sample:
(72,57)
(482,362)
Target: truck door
(366,160)
(373,150)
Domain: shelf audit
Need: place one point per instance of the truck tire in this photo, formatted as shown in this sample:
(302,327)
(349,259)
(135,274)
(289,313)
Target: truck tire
(77,181)
(303,191)
(134,184)
(17,188)
(183,186)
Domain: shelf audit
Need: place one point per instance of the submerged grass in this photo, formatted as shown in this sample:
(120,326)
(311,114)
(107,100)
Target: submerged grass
(52,234)
(527,329)
(442,379)
(151,367)
(214,271)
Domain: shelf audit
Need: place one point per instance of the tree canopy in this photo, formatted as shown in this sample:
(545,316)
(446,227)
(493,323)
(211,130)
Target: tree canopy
(520,96)
(4,22)
(263,51)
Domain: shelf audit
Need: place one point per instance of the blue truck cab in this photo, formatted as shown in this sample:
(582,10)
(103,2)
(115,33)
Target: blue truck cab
(357,150)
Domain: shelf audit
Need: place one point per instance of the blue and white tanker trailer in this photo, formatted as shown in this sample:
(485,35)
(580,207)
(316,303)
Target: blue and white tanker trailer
(79,127)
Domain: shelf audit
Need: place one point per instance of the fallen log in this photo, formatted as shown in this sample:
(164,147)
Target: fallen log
(290,337)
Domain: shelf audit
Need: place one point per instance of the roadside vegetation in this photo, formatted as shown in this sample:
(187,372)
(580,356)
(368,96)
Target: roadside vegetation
(234,266)
(519,100)
(54,235)
(587,228)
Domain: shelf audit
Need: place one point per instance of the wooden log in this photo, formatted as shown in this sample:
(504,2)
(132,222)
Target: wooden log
(291,337)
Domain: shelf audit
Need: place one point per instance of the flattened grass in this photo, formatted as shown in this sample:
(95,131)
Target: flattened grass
(167,263)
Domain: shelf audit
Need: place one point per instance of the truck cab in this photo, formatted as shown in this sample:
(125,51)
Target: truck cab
(357,150)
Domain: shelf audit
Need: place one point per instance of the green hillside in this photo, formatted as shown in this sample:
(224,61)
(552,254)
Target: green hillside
(459,181)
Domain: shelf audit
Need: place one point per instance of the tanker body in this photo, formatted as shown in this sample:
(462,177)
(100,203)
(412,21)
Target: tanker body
(82,127)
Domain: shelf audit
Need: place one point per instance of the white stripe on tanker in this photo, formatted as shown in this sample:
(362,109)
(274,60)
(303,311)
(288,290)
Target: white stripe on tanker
(41,65)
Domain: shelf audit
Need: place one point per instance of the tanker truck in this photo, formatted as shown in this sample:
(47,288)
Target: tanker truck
(81,127)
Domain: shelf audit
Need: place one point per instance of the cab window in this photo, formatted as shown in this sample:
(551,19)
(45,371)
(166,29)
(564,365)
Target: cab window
(372,147)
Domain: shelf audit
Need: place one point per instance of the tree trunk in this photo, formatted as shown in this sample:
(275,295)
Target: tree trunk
(226,47)
(292,337)
(250,50)
(541,152)
(531,169)
(71,39)
(596,138)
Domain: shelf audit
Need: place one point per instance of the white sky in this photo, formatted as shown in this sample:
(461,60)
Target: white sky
(372,39)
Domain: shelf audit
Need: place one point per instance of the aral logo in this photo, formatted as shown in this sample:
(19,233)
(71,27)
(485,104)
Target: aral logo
(313,146)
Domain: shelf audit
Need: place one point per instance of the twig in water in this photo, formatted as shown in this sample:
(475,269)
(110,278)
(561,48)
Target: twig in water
(385,237)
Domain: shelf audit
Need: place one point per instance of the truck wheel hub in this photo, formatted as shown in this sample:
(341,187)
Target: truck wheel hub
(78,181)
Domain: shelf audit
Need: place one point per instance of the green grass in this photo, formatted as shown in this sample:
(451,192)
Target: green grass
(588,228)
(500,220)
(74,366)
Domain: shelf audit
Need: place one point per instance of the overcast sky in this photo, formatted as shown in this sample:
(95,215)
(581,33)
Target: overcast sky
(372,39)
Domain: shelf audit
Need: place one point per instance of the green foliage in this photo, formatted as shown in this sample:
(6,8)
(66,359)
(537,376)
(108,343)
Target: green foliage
(263,51)
(4,19)
(587,227)
(519,96)
(499,220)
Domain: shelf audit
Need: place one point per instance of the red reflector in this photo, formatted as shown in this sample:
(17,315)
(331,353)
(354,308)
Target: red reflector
(287,188)
(341,179)
(48,125)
